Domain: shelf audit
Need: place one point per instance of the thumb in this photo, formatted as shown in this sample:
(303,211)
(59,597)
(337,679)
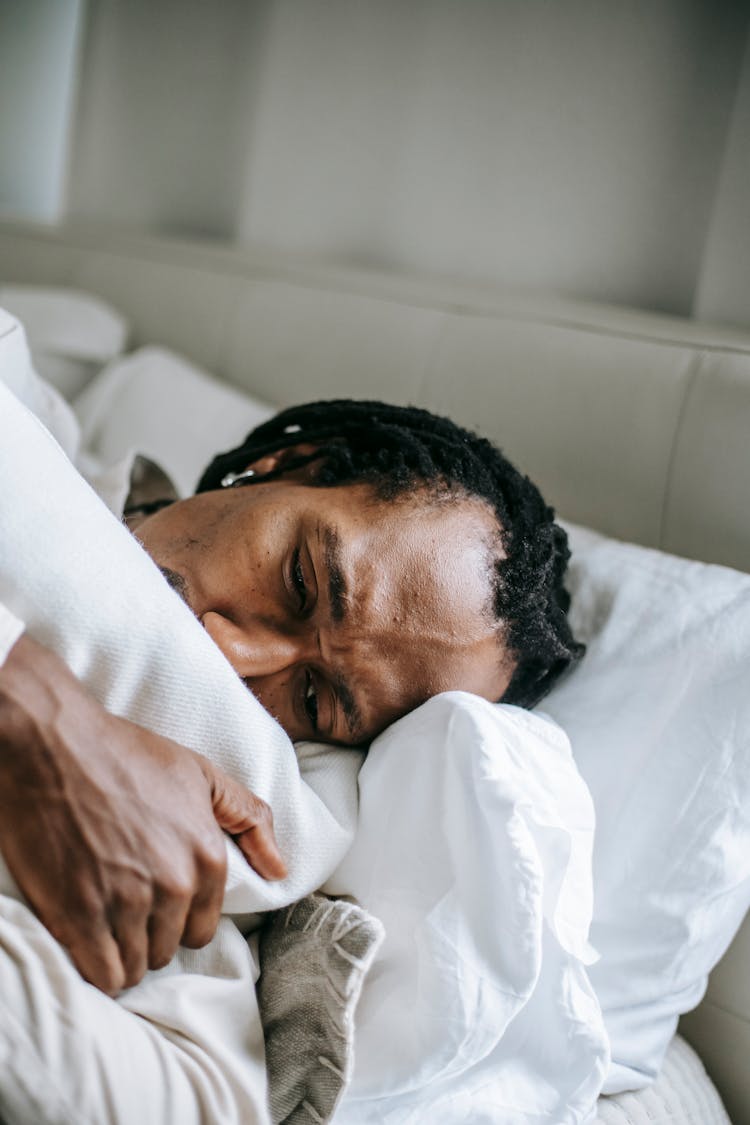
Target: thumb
(248,819)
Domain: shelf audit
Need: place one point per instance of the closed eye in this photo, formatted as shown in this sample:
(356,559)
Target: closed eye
(310,702)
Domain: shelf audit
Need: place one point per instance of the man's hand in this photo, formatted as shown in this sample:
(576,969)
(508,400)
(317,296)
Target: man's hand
(111,831)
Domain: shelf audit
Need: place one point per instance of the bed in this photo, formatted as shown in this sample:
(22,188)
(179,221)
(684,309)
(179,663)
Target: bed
(634,425)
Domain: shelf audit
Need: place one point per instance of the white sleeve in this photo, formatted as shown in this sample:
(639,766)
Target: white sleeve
(189,1050)
(10,630)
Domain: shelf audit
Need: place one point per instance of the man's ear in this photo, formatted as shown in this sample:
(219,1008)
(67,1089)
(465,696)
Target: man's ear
(270,462)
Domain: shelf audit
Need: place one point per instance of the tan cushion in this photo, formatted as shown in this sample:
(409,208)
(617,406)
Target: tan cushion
(567,404)
(708,494)
(683,1094)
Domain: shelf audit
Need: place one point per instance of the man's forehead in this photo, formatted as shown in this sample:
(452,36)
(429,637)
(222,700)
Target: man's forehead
(416,620)
(394,682)
(419,558)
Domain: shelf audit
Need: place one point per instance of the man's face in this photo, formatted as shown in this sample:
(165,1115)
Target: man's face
(340,611)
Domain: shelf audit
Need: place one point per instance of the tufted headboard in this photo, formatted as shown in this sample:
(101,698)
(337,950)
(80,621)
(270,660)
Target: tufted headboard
(635,424)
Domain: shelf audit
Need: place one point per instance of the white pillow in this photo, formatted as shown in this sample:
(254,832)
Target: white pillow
(71,334)
(473,847)
(85,588)
(658,714)
(157,403)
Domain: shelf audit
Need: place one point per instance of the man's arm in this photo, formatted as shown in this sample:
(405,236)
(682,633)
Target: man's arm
(111,831)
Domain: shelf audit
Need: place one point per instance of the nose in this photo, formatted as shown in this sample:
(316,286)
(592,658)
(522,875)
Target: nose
(260,650)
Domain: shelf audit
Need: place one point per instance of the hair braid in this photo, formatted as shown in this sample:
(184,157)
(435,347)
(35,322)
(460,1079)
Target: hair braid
(397,449)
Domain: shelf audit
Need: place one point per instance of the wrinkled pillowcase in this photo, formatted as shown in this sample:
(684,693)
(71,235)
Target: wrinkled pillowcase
(473,847)
(658,714)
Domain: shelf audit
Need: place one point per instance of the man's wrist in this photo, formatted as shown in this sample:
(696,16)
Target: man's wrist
(39,698)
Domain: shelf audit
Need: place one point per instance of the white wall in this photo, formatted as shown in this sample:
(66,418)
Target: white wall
(724,287)
(578,145)
(39,42)
(573,144)
(165,112)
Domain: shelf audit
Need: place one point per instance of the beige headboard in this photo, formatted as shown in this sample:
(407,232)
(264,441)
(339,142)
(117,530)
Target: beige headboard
(635,424)
(632,423)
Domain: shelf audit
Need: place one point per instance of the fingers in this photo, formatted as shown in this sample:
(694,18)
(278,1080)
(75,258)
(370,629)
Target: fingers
(146,922)
(97,957)
(140,935)
(129,925)
(143,927)
(205,911)
(113,953)
(186,908)
(258,846)
(84,930)
(165,928)
(250,821)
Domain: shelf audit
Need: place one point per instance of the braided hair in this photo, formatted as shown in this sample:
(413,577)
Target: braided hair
(398,449)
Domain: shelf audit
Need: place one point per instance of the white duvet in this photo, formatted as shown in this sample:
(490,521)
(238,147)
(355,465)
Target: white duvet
(473,846)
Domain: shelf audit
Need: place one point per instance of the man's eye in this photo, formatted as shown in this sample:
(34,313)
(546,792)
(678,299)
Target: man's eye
(298,578)
(311,701)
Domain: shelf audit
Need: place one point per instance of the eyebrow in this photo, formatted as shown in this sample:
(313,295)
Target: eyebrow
(337,590)
(351,710)
(337,597)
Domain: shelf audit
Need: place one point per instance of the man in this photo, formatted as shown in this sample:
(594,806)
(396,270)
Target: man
(350,560)
(380,555)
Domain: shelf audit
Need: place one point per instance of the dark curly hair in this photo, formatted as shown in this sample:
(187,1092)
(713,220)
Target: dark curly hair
(397,449)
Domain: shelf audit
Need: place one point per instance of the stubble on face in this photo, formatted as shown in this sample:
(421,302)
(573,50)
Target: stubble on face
(176,581)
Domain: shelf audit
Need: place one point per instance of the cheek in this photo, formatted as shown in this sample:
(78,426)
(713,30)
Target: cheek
(174,529)
(274,695)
